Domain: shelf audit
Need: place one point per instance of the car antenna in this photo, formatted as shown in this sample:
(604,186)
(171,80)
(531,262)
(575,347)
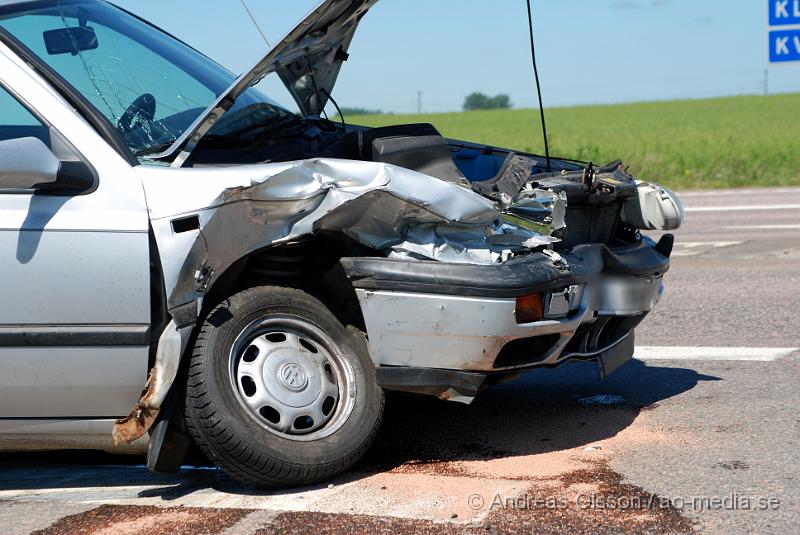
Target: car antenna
(538,88)
(255,23)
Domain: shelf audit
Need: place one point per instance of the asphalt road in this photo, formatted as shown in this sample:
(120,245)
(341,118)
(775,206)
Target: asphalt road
(700,435)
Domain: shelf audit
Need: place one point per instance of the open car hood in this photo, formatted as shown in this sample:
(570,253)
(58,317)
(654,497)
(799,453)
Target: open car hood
(307,59)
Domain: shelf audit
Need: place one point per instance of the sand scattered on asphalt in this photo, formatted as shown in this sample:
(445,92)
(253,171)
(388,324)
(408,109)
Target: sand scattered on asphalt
(526,468)
(588,500)
(146,520)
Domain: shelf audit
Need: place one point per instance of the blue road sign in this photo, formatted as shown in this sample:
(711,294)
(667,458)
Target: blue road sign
(784,42)
(784,45)
(784,12)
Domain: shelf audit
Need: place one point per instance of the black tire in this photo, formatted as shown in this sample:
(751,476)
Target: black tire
(232,437)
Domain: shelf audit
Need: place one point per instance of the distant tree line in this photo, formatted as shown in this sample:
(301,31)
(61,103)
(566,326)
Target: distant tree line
(474,101)
(360,111)
(479,101)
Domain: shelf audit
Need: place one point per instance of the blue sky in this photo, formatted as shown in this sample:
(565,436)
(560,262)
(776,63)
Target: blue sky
(590,51)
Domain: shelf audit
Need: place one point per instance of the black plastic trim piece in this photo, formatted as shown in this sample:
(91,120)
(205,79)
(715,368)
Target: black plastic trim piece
(665,245)
(513,174)
(429,380)
(640,260)
(534,274)
(616,356)
(525,351)
(169,439)
(74,335)
(522,276)
(185,224)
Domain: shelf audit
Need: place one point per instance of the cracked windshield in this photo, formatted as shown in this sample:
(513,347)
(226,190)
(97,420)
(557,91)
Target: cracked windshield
(148,85)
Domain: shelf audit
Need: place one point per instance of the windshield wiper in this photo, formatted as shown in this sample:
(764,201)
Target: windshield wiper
(161,147)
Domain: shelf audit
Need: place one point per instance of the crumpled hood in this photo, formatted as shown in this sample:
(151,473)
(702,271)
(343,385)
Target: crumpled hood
(308,60)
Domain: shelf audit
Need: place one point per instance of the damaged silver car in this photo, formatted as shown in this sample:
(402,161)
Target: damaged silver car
(250,279)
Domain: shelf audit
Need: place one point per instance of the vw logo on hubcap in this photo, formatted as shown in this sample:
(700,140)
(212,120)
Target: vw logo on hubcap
(293,376)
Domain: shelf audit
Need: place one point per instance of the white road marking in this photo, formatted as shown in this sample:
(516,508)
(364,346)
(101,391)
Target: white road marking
(743,208)
(413,495)
(763,227)
(691,248)
(738,192)
(760,354)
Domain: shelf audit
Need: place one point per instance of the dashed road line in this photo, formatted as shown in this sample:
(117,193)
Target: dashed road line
(738,192)
(759,354)
(742,208)
(697,247)
(763,227)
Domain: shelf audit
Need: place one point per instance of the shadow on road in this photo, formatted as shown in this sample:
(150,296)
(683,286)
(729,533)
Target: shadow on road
(543,411)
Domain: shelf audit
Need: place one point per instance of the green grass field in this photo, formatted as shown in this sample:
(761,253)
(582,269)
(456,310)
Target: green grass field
(715,143)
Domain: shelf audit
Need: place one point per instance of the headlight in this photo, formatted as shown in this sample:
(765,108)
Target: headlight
(654,208)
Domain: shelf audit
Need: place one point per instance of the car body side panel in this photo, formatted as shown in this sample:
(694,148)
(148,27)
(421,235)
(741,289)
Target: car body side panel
(45,434)
(70,382)
(69,277)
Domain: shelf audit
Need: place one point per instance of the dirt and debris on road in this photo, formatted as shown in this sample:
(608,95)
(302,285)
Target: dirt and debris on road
(564,487)
(147,520)
(590,500)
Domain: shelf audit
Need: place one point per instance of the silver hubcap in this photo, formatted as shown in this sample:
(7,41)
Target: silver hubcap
(292,378)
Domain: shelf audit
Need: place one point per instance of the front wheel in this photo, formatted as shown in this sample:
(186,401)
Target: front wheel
(278,393)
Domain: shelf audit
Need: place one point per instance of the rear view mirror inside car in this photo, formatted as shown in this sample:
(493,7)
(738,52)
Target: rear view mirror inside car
(70,40)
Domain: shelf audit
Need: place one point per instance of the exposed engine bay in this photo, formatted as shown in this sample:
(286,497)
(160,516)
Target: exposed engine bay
(571,203)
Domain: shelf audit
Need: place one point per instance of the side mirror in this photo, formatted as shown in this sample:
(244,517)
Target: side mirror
(28,164)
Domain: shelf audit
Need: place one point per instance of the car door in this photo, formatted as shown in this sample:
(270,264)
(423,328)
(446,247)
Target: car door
(74,270)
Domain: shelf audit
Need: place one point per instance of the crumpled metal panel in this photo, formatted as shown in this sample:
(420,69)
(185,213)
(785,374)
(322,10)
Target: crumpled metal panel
(168,355)
(378,205)
(458,245)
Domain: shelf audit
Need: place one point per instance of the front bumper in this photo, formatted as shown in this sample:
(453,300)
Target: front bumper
(426,316)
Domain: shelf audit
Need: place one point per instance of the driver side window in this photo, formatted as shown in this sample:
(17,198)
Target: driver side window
(16,121)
